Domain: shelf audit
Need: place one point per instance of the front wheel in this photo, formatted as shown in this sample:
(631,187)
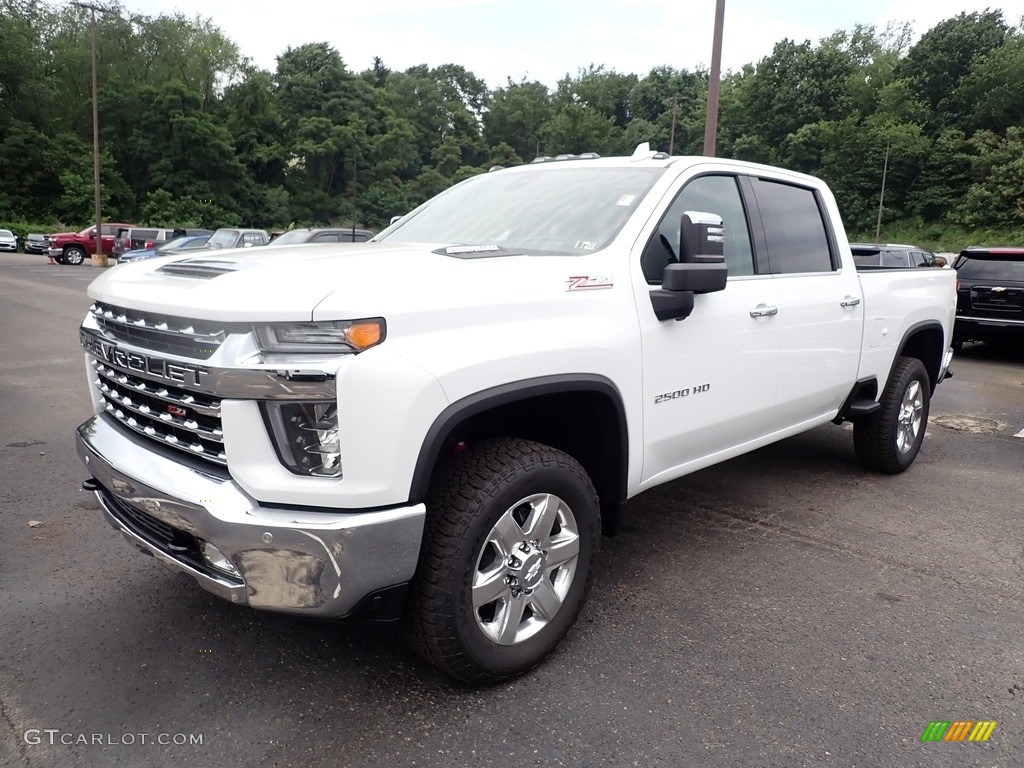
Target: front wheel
(74,255)
(890,439)
(508,550)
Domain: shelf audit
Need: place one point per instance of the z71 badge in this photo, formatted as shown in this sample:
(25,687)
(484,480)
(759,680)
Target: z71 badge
(589,282)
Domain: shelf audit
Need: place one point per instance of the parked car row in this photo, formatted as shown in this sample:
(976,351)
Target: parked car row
(138,238)
(894,255)
(170,247)
(127,242)
(248,238)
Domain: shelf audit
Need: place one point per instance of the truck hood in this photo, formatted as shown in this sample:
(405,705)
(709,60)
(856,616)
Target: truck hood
(328,281)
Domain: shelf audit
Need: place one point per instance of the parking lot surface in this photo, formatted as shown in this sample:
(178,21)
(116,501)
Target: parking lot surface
(782,609)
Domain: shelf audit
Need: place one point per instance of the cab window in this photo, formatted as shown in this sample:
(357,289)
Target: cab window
(717,194)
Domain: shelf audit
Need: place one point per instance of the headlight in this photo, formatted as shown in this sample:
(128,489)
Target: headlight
(338,337)
(306,437)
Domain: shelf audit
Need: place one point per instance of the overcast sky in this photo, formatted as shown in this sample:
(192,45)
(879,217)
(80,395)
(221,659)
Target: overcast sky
(547,39)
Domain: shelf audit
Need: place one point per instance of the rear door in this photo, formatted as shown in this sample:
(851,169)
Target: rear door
(820,305)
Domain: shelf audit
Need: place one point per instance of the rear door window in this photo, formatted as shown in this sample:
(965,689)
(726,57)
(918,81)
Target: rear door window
(794,228)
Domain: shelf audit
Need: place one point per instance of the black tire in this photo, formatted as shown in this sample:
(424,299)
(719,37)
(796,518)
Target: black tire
(496,480)
(74,255)
(889,440)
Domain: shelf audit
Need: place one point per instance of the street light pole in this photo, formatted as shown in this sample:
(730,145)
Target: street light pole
(711,120)
(99,258)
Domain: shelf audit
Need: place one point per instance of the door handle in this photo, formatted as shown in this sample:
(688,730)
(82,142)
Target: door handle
(849,301)
(764,311)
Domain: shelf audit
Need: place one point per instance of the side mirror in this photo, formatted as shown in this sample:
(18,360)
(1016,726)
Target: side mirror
(699,278)
(940,261)
(247,245)
(701,268)
(92,235)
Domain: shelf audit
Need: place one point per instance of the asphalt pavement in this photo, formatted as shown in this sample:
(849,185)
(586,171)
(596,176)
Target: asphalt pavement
(782,609)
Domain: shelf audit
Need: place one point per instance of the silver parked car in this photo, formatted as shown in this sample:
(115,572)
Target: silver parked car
(35,243)
(8,241)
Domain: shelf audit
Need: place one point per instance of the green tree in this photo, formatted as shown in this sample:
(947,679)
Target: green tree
(990,93)
(996,198)
(944,55)
(516,115)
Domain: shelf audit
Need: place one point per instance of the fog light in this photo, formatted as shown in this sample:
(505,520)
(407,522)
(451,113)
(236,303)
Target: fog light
(306,437)
(216,559)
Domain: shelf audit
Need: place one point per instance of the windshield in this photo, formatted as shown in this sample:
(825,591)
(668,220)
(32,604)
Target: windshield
(175,242)
(999,268)
(564,210)
(185,243)
(292,237)
(224,238)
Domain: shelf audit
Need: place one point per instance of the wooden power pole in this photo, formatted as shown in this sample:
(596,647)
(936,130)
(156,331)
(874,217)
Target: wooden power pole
(99,258)
(714,83)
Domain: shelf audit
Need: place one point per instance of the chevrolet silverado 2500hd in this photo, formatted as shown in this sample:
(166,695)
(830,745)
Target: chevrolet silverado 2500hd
(437,425)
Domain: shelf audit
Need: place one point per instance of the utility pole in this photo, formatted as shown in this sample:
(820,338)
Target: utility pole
(672,135)
(99,258)
(881,197)
(714,83)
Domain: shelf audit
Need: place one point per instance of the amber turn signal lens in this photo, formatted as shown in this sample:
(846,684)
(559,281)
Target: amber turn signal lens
(364,335)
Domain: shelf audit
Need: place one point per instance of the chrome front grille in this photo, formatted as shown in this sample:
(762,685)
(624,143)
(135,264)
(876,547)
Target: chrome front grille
(173,416)
(161,333)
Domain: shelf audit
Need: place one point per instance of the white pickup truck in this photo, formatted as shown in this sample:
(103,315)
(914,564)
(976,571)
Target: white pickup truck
(438,425)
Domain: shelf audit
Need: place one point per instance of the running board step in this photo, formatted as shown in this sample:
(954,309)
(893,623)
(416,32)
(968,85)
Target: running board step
(860,408)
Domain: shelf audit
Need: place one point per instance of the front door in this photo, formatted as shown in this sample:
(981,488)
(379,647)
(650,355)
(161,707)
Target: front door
(709,381)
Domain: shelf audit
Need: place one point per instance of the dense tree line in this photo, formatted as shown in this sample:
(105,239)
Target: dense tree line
(193,134)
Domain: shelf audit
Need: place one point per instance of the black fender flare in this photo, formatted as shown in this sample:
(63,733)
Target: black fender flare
(504,394)
(924,325)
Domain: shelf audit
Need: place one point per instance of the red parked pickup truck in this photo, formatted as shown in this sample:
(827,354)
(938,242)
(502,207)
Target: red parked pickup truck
(74,247)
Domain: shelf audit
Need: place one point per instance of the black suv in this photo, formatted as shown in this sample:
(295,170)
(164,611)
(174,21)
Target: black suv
(989,295)
(893,255)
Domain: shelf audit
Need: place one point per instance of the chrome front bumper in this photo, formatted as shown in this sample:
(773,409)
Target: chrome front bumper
(312,562)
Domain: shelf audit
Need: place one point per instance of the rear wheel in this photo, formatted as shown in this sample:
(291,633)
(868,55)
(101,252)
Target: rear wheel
(74,255)
(890,439)
(509,545)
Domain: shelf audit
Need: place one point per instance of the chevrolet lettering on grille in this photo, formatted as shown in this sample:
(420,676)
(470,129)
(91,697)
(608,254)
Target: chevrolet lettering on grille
(153,367)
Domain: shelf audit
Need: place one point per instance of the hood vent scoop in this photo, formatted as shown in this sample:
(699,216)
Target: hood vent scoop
(201,269)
